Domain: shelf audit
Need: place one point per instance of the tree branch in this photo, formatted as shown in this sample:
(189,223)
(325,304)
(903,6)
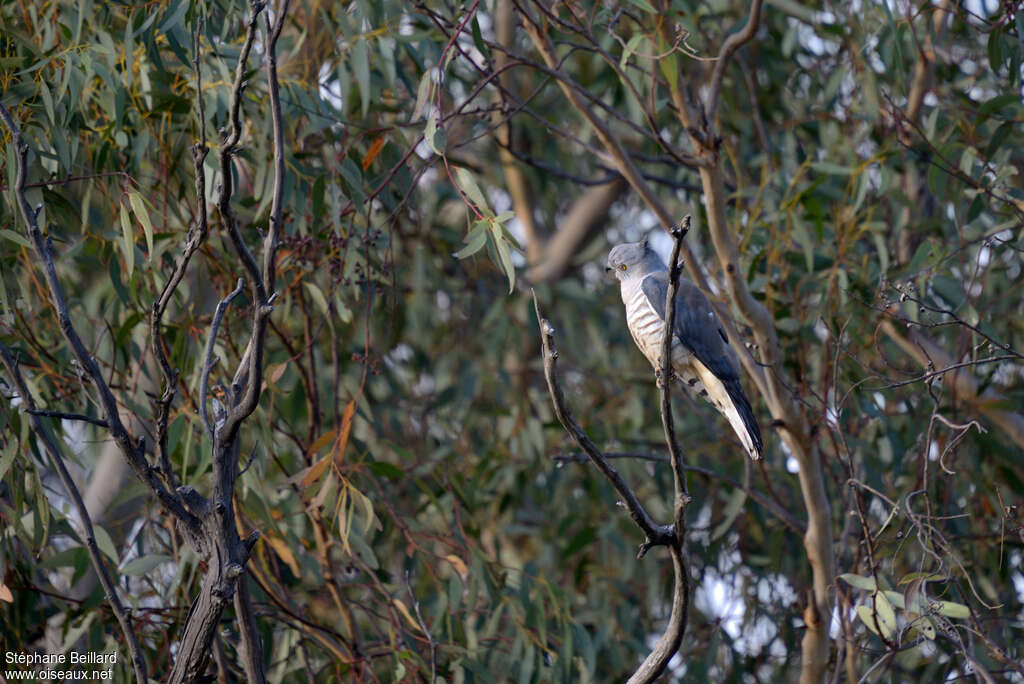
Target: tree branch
(204,375)
(656,535)
(668,643)
(99,422)
(89,537)
(757,495)
(733,43)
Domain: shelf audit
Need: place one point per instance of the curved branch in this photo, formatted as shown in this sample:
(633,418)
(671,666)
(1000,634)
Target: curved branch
(656,535)
(733,43)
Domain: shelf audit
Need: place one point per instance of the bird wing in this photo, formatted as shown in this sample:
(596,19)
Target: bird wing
(698,329)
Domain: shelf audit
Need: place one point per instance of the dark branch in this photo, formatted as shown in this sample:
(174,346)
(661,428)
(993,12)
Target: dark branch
(656,535)
(757,495)
(99,422)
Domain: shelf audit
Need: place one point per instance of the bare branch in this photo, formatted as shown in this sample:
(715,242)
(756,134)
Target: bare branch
(757,495)
(656,535)
(733,43)
(89,537)
(99,422)
(204,377)
(668,643)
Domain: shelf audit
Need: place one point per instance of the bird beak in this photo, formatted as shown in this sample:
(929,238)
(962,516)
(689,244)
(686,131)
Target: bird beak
(609,274)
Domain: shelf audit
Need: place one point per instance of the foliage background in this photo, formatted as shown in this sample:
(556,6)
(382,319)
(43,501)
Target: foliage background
(402,457)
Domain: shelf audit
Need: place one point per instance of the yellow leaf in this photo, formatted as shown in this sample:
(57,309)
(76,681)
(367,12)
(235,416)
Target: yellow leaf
(284,553)
(275,372)
(322,441)
(344,430)
(315,472)
(344,519)
(129,241)
(139,207)
(406,614)
(375,147)
(5,593)
(460,565)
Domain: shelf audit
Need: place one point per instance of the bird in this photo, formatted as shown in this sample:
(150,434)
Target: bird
(701,356)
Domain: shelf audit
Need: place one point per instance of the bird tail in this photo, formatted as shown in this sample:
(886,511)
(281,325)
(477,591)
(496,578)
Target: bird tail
(741,417)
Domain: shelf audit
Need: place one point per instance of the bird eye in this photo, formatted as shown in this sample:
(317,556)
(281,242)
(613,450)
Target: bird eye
(622,267)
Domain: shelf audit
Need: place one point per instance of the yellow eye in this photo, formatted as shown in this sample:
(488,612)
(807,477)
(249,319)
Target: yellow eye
(622,267)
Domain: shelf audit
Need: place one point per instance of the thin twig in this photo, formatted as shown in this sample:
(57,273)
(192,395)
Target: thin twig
(69,416)
(204,377)
(757,495)
(733,43)
(423,626)
(656,535)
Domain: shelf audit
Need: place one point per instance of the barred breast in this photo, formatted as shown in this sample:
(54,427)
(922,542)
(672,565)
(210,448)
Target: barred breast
(648,330)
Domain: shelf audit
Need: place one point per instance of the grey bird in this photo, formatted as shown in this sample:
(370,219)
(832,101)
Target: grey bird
(701,356)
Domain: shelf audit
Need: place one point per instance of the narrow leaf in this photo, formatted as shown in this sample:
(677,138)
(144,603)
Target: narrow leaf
(468,185)
(104,542)
(17,238)
(858,581)
(129,243)
(139,207)
(140,566)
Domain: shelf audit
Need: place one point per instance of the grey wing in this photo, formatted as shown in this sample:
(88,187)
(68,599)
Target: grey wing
(696,326)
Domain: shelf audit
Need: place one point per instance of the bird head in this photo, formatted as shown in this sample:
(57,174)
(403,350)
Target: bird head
(632,260)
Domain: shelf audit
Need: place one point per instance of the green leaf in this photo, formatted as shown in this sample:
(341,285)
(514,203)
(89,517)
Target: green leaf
(505,256)
(882,617)
(129,243)
(104,542)
(434,136)
(999,137)
(644,5)
(140,566)
(996,104)
(475,241)
(995,53)
(6,461)
(318,297)
(423,94)
(383,469)
(859,581)
(924,627)
(139,207)
(953,610)
(470,188)
(926,576)
(361,66)
(478,39)
(15,237)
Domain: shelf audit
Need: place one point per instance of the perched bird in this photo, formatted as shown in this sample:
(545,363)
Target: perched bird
(701,356)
